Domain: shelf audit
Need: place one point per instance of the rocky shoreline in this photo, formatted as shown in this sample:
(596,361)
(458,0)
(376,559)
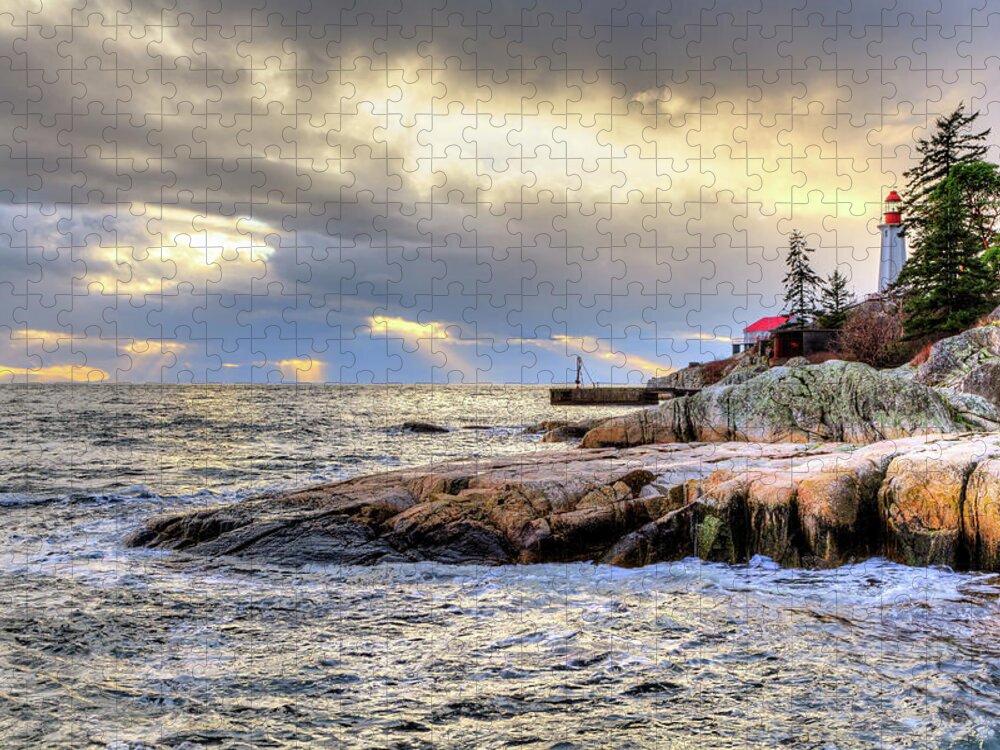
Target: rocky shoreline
(930,500)
(810,465)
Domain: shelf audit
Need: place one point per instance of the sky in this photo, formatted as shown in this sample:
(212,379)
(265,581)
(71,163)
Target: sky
(401,191)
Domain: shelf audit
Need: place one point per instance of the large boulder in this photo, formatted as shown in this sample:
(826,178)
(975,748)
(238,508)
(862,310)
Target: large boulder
(837,509)
(666,423)
(743,374)
(921,501)
(981,515)
(567,431)
(832,401)
(737,368)
(692,376)
(968,362)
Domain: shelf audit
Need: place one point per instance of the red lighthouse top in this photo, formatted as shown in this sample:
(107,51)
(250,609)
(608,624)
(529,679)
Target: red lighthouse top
(893,214)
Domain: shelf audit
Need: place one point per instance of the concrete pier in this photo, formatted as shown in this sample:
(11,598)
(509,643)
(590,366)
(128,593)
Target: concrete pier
(602,395)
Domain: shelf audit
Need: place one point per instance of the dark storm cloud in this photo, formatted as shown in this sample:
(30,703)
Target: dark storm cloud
(263,182)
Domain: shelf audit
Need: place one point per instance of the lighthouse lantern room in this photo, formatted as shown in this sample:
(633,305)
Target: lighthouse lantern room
(893,243)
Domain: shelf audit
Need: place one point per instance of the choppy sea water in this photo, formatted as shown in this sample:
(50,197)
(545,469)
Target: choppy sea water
(107,647)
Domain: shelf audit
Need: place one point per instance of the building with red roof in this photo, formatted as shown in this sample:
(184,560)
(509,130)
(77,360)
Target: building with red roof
(761,330)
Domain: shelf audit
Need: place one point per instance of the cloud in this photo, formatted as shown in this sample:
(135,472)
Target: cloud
(439,343)
(592,348)
(49,340)
(445,338)
(53,374)
(410,331)
(382,177)
(302,370)
(151,347)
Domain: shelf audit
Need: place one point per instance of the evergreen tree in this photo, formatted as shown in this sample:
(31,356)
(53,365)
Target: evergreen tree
(979,184)
(952,143)
(801,282)
(946,282)
(835,298)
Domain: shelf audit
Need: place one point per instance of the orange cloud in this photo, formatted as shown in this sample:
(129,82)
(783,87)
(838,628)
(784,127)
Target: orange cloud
(302,370)
(151,347)
(54,374)
(590,346)
(410,330)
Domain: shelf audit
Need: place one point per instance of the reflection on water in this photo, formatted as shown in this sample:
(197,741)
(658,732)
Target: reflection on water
(186,439)
(106,647)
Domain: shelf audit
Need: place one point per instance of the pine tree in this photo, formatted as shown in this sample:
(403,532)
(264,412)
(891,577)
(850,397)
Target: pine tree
(801,282)
(835,298)
(951,144)
(979,184)
(946,282)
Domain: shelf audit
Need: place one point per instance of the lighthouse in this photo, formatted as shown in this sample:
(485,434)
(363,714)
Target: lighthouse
(893,243)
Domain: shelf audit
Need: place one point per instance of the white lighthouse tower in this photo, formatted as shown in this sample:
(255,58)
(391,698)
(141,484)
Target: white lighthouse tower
(893,243)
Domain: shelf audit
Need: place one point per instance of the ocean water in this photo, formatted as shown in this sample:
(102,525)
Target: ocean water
(107,647)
